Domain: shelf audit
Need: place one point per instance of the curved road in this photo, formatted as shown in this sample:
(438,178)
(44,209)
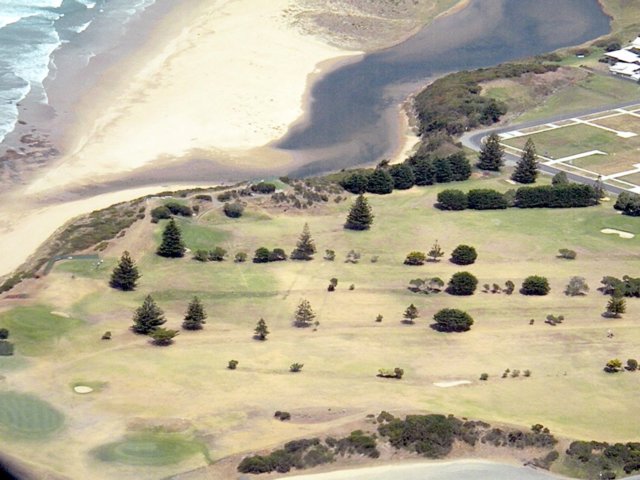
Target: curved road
(473,140)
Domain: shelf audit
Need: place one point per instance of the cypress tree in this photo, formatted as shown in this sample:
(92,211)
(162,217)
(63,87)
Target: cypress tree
(148,317)
(305,247)
(403,177)
(491,155)
(442,167)
(195,316)
(527,168)
(410,314)
(380,182)
(172,245)
(360,216)
(355,183)
(125,276)
(261,330)
(460,166)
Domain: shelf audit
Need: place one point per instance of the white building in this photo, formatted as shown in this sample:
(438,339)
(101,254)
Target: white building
(627,61)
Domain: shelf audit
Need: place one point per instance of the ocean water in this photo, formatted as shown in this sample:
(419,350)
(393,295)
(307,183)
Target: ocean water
(32,31)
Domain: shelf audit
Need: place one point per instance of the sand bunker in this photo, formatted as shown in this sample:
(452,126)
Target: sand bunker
(82,389)
(620,233)
(453,383)
(60,314)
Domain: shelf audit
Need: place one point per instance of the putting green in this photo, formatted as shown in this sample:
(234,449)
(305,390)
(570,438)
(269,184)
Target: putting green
(24,415)
(149,449)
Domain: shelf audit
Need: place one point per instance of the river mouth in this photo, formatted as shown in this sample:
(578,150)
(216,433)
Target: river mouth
(353,111)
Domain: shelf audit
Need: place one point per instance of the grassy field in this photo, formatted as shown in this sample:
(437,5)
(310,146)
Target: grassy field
(232,411)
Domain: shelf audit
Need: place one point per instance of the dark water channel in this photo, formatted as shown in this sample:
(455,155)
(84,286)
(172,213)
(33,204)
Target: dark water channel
(353,113)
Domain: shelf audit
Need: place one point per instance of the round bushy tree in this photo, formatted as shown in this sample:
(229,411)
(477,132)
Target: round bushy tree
(452,200)
(462,283)
(355,183)
(535,285)
(233,210)
(423,171)
(403,177)
(125,276)
(262,255)
(172,245)
(380,182)
(452,320)
(360,216)
(464,255)
(415,258)
(443,171)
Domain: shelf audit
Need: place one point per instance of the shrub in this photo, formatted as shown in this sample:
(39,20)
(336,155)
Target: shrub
(570,195)
(240,257)
(486,199)
(352,257)
(160,213)
(179,209)
(217,254)
(415,258)
(204,198)
(484,377)
(628,203)
(428,435)
(233,210)
(396,373)
(462,283)
(452,320)
(232,365)
(535,285)
(577,287)
(296,367)
(613,366)
(282,416)
(632,364)
(509,287)
(277,255)
(4,333)
(329,255)
(527,373)
(379,318)
(262,255)
(201,256)
(452,200)
(263,187)
(567,254)
(163,336)
(355,183)
(464,255)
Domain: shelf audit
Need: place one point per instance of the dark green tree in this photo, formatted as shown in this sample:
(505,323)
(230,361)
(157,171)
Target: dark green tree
(262,255)
(147,317)
(616,306)
(261,330)
(403,177)
(451,199)
(195,316)
(535,285)
(355,183)
(4,333)
(304,314)
(415,258)
(125,276)
(360,216)
(442,167)
(172,245)
(163,336)
(305,248)
(380,182)
(462,283)
(464,255)
(491,155)
(410,314)
(460,166)
(452,320)
(527,167)
(423,171)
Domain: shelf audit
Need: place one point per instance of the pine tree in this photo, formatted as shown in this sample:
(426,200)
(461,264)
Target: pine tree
(195,316)
(616,306)
(148,317)
(304,315)
(491,155)
(125,276)
(380,182)
(305,248)
(527,168)
(436,252)
(360,216)
(410,314)
(172,245)
(261,330)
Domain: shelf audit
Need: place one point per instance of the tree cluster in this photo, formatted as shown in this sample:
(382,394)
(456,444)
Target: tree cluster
(625,287)
(217,254)
(168,209)
(628,203)
(264,255)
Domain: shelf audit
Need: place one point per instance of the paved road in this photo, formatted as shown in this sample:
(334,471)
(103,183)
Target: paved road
(473,140)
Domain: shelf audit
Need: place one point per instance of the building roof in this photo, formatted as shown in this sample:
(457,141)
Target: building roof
(624,56)
(624,68)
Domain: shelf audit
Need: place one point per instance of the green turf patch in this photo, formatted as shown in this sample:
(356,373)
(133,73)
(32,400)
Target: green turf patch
(34,330)
(26,416)
(86,268)
(149,449)
(194,236)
